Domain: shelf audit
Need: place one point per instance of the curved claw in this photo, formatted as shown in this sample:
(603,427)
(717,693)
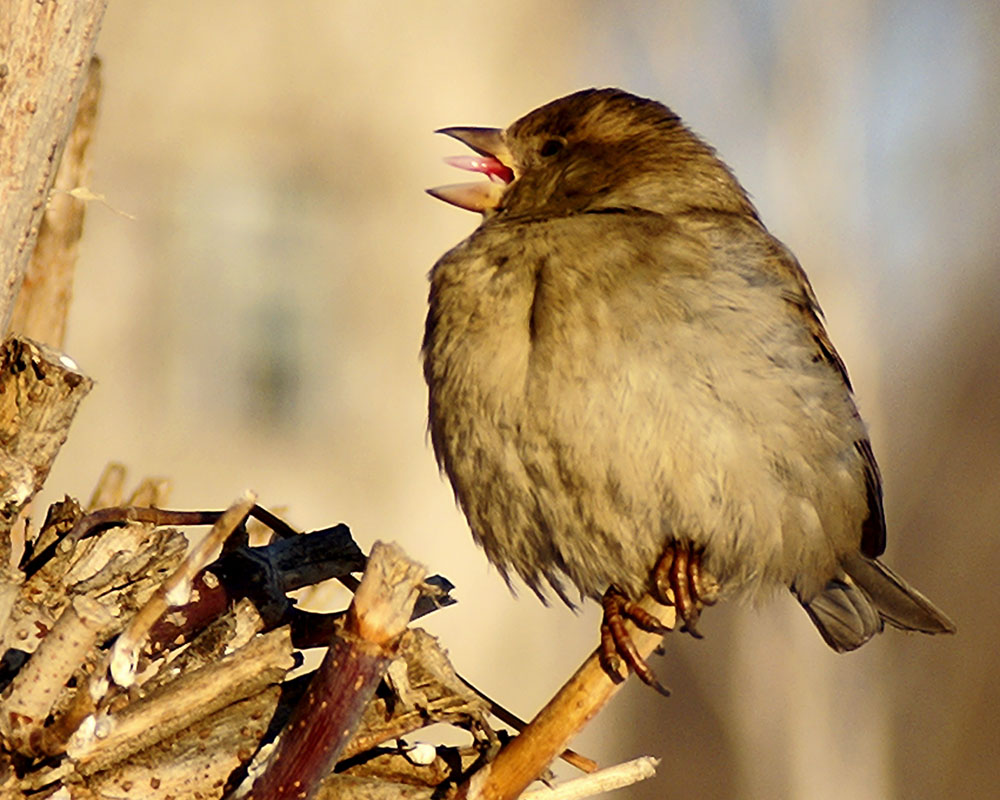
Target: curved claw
(679,580)
(616,643)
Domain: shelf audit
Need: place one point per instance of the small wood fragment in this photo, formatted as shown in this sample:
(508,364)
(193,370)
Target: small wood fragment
(40,390)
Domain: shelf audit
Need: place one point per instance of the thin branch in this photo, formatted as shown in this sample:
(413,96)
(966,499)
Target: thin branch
(503,714)
(547,735)
(101,518)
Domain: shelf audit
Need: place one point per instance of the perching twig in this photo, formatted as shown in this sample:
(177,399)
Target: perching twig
(503,714)
(547,735)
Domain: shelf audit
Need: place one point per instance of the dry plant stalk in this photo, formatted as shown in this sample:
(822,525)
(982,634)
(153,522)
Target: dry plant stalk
(124,692)
(191,697)
(35,689)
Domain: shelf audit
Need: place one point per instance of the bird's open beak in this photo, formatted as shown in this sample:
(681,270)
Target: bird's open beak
(494,161)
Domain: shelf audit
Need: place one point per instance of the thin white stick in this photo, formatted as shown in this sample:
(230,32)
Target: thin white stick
(604,780)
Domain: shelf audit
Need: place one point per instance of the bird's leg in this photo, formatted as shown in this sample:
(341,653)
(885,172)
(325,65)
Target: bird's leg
(617,644)
(679,580)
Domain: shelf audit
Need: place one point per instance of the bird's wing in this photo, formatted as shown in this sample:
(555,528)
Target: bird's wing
(804,301)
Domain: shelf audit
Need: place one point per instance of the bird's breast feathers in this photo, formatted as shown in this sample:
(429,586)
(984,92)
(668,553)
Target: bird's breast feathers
(692,389)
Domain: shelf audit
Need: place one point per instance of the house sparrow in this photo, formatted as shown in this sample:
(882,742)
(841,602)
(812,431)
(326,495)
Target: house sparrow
(631,388)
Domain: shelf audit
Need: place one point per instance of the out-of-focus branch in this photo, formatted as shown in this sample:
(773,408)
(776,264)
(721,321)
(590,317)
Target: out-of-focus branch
(42,304)
(45,50)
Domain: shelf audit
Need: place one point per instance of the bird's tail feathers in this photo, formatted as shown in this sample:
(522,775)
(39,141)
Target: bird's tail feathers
(853,606)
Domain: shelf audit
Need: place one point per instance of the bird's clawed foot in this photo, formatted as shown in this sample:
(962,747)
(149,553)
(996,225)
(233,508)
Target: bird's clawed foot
(616,642)
(679,580)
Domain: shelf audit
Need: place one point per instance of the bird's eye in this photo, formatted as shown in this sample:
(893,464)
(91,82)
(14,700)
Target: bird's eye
(551,147)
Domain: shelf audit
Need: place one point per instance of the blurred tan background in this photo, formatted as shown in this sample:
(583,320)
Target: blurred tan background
(257,325)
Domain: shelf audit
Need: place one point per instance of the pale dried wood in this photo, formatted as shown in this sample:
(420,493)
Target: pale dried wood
(383,603)
(174,591)
(45,49)
(338,787)
(109,491)
(194,763)
(10,588)
(157,739)
(604,780)
(125,564)
(362,787)
(109,738)
(37,686)
(231,631)
(426,690)
(59,520)
(152,492)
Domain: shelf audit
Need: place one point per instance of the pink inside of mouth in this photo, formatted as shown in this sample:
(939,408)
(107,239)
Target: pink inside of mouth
(492,168)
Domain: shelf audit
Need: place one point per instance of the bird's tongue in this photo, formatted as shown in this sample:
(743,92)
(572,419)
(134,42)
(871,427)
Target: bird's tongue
(492,168)
(478,196)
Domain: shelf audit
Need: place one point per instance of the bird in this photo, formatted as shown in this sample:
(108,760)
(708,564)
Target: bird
(632,391)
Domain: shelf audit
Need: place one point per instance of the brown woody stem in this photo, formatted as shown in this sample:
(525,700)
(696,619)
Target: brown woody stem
(328,714)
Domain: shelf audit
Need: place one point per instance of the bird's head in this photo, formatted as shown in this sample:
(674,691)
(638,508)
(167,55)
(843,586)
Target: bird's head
(595,150)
